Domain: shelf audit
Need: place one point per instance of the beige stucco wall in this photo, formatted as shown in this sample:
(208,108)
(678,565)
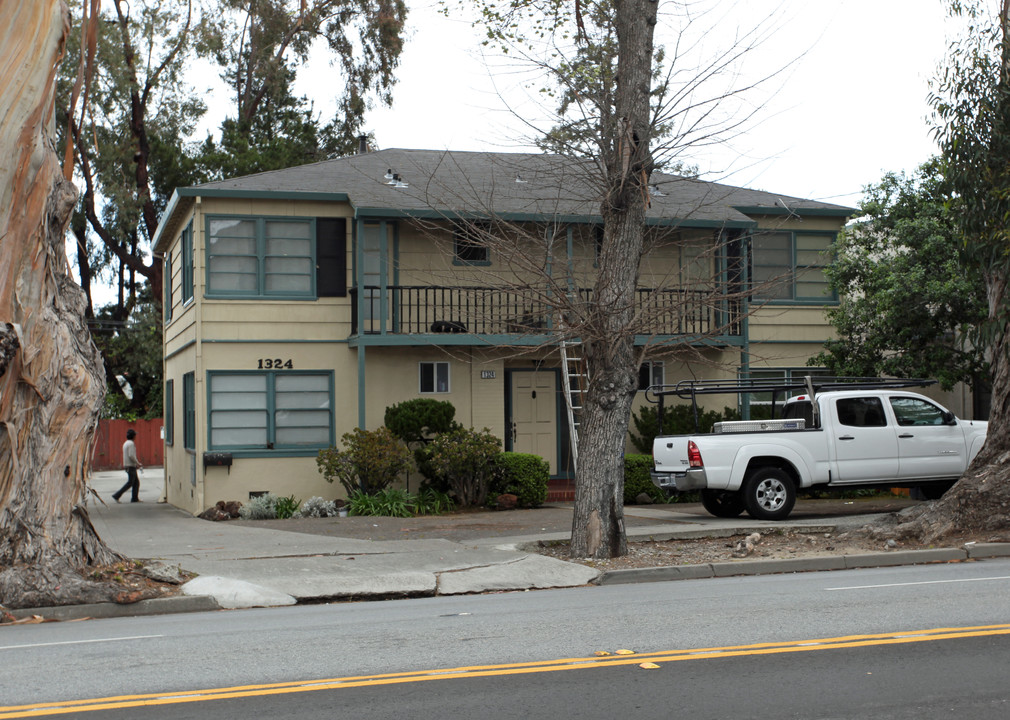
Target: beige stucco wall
(213,334)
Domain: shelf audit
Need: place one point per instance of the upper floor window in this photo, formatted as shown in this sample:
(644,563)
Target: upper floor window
(166,281)
(186,240)
(469,244)
(790,266)
(260,257)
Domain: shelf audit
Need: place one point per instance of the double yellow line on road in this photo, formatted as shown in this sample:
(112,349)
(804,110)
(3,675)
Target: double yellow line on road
(585,663)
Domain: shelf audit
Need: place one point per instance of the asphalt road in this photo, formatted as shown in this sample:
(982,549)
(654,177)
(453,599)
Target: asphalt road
(902,664)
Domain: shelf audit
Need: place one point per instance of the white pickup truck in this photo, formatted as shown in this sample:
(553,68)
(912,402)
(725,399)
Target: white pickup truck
(874,435)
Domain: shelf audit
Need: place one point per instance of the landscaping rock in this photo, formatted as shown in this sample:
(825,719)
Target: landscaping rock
(506,501)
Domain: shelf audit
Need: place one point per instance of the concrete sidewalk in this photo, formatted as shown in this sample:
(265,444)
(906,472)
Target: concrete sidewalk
(256,564)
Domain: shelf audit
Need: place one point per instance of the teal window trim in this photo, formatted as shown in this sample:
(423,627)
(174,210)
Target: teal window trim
(261,258)
(189,411)
(169,401)
(187,263)
(166,281)
(793,270)
(273,449)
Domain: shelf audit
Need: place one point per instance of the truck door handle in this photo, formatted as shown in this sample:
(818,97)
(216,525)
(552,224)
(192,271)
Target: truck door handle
(906,435)
(846,437)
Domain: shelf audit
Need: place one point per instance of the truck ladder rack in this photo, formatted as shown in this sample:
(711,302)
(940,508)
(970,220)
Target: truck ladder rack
(691,389)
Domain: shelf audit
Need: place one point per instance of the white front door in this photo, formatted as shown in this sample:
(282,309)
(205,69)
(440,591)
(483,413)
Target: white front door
(534,414)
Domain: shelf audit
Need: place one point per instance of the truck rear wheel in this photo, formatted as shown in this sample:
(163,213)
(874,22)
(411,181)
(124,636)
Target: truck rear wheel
(722,503)
(769,494)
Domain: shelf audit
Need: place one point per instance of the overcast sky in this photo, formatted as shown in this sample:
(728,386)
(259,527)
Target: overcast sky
(851,107)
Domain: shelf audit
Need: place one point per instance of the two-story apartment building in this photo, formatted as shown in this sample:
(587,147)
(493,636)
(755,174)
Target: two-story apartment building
(301,303)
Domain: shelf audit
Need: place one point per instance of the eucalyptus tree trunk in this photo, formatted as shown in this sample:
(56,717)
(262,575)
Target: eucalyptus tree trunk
(51,379)
(598,522)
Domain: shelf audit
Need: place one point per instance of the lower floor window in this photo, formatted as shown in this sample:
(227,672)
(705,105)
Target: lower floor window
(434,377)
(650,373)
(271,410)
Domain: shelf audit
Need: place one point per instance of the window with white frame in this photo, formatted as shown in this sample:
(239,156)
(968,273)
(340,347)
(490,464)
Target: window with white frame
(790,266)
(256,256)
(650,373)
(433,377)
(271,410)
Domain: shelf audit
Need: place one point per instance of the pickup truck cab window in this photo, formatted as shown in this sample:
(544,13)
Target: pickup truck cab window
(861,412)
(913,411)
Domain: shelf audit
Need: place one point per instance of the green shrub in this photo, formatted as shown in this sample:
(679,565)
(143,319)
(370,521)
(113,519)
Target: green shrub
(467,460)
(316,507)
(677,420)
(419,419)
(262,507)
(523,475)
(637,480)
(286,507)
(432,478)
(371,460)
(388,503)
(429,501)
(399,503)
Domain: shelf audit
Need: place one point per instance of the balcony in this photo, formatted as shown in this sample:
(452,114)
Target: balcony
(487,311)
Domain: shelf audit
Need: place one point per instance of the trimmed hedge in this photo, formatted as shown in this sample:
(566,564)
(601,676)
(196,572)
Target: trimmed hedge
(637,480)
(523,475)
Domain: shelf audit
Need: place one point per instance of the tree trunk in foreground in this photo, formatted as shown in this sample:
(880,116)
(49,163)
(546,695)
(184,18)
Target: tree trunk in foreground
(609,340)
(51,380)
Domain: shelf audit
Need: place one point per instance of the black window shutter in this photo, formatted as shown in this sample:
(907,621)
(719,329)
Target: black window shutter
(331,257)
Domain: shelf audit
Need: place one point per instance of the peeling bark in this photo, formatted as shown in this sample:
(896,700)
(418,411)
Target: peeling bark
(52,389)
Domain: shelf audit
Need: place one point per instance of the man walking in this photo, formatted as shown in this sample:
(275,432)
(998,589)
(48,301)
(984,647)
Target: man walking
(130,464)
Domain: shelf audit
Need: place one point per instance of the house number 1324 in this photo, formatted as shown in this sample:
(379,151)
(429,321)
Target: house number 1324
(274,364)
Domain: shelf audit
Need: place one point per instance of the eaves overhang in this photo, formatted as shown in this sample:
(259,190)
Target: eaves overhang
(800,211)
(378,213)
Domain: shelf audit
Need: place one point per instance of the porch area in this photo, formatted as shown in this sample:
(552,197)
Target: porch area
(490,311)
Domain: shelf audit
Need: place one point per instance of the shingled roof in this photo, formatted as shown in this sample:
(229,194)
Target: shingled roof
(511,186)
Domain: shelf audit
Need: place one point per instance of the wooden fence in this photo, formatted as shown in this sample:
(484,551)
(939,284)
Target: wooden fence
(108,454)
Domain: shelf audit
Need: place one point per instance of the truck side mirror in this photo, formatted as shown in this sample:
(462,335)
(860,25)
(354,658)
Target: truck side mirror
(948,418)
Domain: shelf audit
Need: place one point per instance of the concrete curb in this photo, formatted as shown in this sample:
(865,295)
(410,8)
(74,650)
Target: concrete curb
(154,606)
(978,551)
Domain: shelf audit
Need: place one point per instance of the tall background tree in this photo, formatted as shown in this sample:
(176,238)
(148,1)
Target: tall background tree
(135,144)
(971,103)
(909,304)
(51,381)
(624,108)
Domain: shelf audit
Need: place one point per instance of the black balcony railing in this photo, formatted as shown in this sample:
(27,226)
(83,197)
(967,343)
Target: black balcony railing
(425,309)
